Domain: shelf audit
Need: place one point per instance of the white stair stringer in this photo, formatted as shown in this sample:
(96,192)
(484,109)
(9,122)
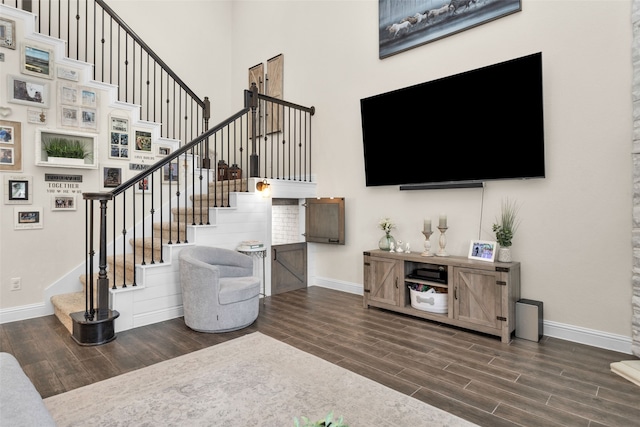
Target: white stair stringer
(157,295)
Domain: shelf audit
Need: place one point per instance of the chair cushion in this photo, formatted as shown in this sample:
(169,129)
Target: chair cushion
(236,289)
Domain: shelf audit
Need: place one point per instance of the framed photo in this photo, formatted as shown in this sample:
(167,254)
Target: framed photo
(170,173)
(112,177)
(27,218)
(7,33)
(119,137)
(88,118)
(17,190)
(10,146)
(483,250)
(143,186)
(37,61)
(6,156)
(163,150)
(143,141)
(63,202)
(400,29)
(26,91)
(89,98)
(68,93)
(69,116)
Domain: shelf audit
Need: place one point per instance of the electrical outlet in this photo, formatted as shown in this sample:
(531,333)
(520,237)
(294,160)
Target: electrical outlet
(16,284)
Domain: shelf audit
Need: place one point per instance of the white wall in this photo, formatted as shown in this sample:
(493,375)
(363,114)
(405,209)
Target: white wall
(574,241)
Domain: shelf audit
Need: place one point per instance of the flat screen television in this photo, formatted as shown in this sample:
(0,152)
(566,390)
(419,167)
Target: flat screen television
(480,125)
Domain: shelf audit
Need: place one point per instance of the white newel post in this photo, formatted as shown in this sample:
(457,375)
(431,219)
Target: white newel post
(635,300)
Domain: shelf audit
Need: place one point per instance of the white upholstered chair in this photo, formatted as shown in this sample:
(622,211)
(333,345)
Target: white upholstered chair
(219,291)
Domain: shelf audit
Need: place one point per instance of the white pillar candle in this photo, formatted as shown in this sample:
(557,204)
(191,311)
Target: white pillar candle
(427,225)
(443,221)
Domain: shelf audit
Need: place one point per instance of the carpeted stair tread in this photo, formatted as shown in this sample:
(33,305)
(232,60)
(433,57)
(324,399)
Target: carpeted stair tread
(170,231)
(65,304)
(151,246)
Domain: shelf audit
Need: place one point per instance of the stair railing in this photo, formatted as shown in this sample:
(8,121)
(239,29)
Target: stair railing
(95,34)
(157,206)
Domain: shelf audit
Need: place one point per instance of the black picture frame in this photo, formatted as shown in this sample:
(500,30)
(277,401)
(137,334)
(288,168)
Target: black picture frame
(18,189)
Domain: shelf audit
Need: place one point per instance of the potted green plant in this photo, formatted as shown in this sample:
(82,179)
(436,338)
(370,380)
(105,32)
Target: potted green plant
(505,228)
(58,149)
(327,422)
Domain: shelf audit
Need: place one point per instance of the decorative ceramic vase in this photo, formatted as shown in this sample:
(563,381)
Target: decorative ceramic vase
(504,254)
(385,242)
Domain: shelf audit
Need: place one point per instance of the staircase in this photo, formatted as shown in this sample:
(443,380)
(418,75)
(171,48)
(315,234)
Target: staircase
(147,229)
(175,236)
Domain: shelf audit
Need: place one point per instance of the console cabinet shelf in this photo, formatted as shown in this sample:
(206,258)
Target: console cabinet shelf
(481,295)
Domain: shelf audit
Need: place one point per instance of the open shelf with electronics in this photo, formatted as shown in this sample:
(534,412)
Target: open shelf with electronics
(458,291)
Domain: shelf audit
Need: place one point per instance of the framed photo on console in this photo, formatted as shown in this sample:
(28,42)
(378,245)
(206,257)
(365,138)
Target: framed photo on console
(483,250)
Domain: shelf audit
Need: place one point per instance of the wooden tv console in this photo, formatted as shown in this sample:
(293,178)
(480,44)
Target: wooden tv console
(482,295)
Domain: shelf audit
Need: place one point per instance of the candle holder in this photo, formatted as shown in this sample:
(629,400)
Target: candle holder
(427,243)
(442,242)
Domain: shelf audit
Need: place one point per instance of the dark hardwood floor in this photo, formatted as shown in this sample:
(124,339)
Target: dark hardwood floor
(473,376)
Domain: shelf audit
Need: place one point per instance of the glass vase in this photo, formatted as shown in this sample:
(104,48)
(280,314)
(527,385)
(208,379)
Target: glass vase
(386,241)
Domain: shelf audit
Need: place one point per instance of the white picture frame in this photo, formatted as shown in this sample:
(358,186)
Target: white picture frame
(37,61)
(27,91)
(27,218)
(36,116)
(68,93)
(18,190)
(63,202)
(483,250)
(88,141)
(88,97)
(68,74)
(69,116)
(88,118)
(7,33)
(119,147)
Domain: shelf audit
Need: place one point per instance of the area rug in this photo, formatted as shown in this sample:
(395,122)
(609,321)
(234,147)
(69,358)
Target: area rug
(628,369)
(254,380)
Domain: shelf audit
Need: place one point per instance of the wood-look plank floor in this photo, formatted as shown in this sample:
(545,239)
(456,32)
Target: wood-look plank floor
(476,377)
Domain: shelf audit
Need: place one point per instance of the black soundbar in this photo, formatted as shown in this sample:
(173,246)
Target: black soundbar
(443,185)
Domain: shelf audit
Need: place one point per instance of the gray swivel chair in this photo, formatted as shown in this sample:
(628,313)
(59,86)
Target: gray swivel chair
(219,291)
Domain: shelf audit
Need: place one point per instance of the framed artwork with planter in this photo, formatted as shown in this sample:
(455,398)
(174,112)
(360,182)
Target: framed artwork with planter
(66,149)
(482,250)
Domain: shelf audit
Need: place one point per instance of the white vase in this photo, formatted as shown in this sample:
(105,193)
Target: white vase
(504,254)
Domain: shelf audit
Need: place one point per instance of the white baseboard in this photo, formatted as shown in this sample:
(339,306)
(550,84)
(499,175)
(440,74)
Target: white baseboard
(588,336)
(562,331)
(24,312)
